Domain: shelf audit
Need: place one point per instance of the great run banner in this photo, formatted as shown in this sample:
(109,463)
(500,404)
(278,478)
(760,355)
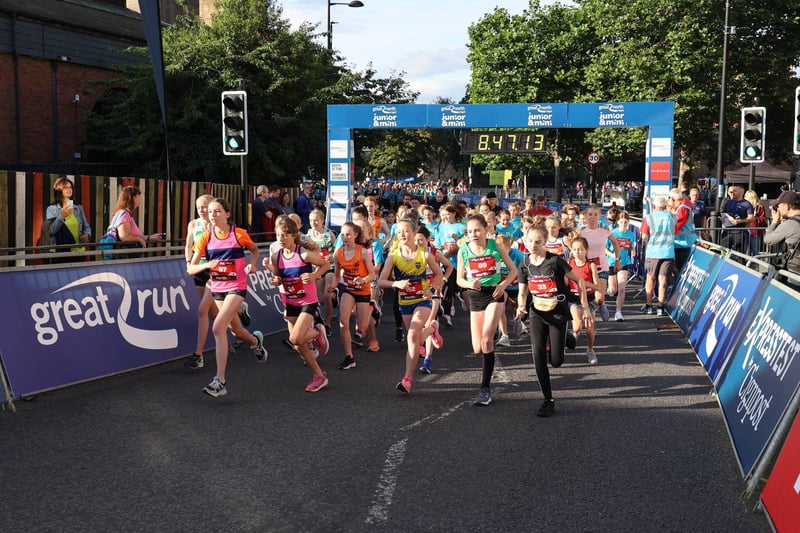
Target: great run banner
(718,320)
(689,293)
(65,325)
(763,373)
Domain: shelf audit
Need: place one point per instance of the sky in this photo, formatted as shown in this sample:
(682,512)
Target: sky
(425,39)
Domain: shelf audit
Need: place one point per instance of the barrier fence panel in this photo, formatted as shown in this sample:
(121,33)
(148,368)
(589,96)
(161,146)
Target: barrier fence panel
(76,323)
(692,287)
(763,373)
(781,494)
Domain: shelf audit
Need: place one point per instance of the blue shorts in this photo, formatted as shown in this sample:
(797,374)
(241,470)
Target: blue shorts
(409,309)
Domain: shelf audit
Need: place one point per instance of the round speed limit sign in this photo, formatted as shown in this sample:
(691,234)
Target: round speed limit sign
(593,158)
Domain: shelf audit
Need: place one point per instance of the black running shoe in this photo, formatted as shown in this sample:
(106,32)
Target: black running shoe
(195,362)
(548,408)
(572,340)
(244,315)
(357,339)
(376,313)
(399,335)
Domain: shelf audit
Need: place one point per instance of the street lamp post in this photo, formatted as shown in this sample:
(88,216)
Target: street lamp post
(722,98)
(354,3)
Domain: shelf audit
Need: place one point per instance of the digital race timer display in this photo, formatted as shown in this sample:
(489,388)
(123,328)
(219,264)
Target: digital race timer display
(504,142)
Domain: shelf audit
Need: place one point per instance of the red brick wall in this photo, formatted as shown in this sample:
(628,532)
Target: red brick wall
(36,108)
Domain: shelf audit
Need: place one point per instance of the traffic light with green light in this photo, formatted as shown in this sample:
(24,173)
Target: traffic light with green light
(754,127)
(234,123)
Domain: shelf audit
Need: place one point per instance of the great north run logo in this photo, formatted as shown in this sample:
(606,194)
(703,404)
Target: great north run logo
(384,116)
(454,116)
(62,311)
(540,115)
(612,115)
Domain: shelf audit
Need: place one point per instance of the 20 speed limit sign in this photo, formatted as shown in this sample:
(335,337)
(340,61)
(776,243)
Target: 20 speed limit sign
(593,158)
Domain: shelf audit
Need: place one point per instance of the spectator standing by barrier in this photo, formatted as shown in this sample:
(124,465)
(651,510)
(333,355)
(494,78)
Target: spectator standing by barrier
(258,212)
(785,227)
(740,214)
(223,246)
(658,231)
(543,274)
(67,220)
(127,231)
(758,225)
(305,204)
(698,208)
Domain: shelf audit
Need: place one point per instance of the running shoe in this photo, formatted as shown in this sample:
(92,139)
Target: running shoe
(314,352)
(660,311)
(195,362)
(321,340)
(604,312)
(404,385)
(244,314)
(572,340)
(436,337)
(327,330)
(348,363)
(461,299)
(548,408)
(484,397)
(373,346)
(523,330)
(357,339)
(216,388)
(448,321)
(503,340)
(399,335)
(317,383)
(618,316)
(648,309)
(591,357)
(258,349)
(376,313)
(335,297)
(427,365)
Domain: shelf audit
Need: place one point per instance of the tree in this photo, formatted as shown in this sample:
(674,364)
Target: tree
(289,75)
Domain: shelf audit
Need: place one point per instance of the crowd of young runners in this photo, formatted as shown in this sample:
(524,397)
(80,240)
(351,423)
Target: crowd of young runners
(526,266)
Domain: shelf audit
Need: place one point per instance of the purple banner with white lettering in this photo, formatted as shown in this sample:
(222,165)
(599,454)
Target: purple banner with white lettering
(689,293)
(72,324)
(720,317)
(763,374)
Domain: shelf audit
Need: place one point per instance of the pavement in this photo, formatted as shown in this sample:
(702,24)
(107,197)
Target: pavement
(638,443)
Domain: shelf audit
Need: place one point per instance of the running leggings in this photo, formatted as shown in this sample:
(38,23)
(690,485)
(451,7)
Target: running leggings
(450,289)
(541,332)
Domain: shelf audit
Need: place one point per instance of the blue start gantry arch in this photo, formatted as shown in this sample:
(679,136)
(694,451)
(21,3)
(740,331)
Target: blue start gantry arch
(657,117)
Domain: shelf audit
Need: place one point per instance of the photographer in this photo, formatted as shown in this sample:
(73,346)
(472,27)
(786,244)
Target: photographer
(785,227)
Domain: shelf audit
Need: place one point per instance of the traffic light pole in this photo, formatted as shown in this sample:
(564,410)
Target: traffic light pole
(243,165)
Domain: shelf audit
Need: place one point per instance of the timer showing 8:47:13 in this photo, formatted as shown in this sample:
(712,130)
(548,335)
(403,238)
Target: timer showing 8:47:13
(531,142)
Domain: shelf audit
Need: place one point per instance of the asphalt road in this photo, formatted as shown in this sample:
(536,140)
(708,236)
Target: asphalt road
(637,444)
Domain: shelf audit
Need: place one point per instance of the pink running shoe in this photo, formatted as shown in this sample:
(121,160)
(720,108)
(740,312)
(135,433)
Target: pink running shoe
(317,383)
(404,386)
(436,337)
(321,339)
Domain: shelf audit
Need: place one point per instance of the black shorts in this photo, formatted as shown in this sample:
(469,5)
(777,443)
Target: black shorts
(359,298)
(480,300)
(220,296)
(201,278)
(295,310)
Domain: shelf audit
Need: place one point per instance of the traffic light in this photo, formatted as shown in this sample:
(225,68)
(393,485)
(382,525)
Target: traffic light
(234,123)
(796,138)
(754,128)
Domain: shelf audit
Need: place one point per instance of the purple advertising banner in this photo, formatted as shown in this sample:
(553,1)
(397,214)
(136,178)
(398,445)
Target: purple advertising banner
(72,324)
(763,374)
(720,317)
(689,293)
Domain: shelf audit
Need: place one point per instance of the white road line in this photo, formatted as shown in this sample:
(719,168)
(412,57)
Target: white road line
(384,492)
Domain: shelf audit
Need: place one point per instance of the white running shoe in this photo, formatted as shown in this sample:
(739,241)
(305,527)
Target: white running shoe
(503,340)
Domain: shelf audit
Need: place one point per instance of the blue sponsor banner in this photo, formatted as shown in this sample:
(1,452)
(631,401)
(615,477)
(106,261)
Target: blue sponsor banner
(719,319)
(694,283)
(763,374)
(72,324)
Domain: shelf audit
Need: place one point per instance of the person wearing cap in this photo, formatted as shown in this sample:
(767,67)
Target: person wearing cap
(785,226)
(491,197)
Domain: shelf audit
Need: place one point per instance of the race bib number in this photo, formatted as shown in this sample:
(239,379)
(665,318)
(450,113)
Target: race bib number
(481,267)
(325,254)
(624,243)
(542,286)
(224,271)
(450,247)
(413,291)
(594,260)
(350,281)
(555,248)
(294,288)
